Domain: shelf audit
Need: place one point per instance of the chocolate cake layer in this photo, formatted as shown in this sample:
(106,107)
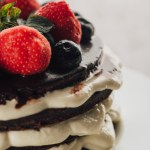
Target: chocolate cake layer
(52,116)
(24,88)
(67,141)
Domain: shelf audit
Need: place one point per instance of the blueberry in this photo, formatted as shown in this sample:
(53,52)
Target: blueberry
(66,55)
(87,30)
(50,39)
(77,14)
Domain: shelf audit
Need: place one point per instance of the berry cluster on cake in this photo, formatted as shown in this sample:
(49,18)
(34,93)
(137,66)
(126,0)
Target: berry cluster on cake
(57,80)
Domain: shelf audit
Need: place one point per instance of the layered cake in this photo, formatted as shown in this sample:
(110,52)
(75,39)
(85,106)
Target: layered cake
(57,80)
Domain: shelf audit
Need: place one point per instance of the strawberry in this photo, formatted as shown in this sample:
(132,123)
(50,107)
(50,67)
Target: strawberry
(26,6)
(66,25)
(24,50)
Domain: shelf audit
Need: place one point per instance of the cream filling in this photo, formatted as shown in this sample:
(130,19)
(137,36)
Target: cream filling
(93,127)
(104,140)
(64,98)
(87,124)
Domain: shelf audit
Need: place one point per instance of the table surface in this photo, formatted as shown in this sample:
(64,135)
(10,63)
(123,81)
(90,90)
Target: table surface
(122,24)
(134,100)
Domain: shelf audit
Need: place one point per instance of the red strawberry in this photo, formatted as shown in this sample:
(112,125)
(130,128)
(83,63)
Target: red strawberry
(24,50)
(66,24)
(26,6)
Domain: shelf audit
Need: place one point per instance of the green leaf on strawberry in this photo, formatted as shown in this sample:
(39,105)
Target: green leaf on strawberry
(8,16)
(15,13)
(5,10)
(7,25)
(43,25)
(40,23)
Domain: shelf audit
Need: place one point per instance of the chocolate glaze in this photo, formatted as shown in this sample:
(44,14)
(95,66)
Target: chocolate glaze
(24,88)
(52,116)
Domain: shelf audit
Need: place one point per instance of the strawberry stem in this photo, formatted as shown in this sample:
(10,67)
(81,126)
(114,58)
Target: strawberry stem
(9,15)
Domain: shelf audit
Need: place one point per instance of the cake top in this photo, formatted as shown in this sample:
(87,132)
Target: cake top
(50,37)
(49,49)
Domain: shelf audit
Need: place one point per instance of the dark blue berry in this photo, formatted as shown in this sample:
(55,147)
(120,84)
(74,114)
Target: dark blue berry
(66,55)
(87,30)
(77,14)
(50,39)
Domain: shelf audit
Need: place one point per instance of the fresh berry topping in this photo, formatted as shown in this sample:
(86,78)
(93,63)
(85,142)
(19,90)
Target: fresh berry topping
(24,50)
(26,6)
(66,55)
(87,30)
(66,25)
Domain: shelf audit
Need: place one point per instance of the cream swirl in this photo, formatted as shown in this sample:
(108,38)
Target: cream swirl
(64,98)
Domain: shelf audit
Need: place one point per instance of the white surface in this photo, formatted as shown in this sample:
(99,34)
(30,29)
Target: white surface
(134,98)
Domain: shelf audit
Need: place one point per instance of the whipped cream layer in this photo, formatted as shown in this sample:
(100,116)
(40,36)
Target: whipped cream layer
(92,127)
(110,78)
(104,140)
(87,124)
